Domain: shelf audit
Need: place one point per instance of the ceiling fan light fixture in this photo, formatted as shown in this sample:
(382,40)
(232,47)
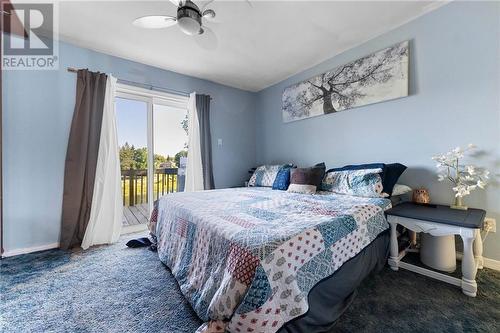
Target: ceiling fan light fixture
(189,20)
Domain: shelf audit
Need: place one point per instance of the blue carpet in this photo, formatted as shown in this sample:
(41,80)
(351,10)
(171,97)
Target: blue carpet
(105,289)
(117,289)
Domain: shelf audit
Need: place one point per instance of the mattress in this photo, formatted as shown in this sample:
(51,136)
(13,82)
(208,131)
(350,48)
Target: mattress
(247,258)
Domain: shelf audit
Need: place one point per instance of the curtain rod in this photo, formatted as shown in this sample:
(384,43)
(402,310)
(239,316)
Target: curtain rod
(142,85)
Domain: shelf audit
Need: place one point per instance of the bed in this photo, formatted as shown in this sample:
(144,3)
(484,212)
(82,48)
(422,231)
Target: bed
(261,260)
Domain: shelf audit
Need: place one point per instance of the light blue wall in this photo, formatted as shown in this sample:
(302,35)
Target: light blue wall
(38,108)
(454,85)
(455,89)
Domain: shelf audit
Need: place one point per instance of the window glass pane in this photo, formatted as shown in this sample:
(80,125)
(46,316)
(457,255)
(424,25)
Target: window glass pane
(131,119)
(170,149)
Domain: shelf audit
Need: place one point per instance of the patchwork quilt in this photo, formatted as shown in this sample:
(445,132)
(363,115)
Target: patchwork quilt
(246,258)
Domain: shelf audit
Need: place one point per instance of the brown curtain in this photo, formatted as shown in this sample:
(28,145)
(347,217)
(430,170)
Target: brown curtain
(203,109)
(81,157)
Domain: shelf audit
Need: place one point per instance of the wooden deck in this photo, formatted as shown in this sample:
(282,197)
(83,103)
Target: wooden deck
(134,215)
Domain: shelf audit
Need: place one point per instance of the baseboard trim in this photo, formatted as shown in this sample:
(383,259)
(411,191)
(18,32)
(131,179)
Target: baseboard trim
(10,253)
(491,263)
(487,262)
(27,250)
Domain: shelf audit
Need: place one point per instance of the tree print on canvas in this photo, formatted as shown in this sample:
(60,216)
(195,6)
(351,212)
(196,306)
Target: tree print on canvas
(378,77)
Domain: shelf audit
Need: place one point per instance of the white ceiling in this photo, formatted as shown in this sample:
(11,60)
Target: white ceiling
(258,44)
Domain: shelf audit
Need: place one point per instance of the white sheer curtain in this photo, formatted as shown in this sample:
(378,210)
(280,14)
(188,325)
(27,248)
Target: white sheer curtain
(194,168)
(106,212)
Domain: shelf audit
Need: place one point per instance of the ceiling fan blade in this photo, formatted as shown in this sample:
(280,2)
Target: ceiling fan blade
(177,3)
(210,16)
(207,40)
(155,21)
(205,5)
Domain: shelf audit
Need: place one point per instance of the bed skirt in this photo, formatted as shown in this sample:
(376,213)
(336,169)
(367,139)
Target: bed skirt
(332,296)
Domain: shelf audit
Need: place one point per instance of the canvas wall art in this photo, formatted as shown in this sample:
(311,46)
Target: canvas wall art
(378,77)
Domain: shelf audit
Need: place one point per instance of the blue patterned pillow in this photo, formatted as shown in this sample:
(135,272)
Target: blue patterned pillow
(265,175)
(363,183)
(390,172)
(282,179)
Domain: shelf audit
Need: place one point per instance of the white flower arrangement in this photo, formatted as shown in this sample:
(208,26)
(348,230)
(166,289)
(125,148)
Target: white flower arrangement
(466,178)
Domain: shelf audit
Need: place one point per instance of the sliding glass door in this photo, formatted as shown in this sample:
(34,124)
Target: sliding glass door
(152,134)
(132,123)
(170,149)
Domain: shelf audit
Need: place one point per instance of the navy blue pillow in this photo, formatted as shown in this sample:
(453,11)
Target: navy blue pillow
(390,172)
(360,167)
(282,180)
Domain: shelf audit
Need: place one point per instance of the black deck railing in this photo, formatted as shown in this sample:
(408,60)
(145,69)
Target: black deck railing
(135,184)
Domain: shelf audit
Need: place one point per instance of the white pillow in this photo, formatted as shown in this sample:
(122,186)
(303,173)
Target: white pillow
(400,189)
(304,189)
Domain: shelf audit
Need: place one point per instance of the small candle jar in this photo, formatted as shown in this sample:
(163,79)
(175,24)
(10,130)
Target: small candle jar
(421,195)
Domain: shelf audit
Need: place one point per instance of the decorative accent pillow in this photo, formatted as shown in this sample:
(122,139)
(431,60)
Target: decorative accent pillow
(282,180)
(362,183)
(306,180)
(400,189)
(264,175)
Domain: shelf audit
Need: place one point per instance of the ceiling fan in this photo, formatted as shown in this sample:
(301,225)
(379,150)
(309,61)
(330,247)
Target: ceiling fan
(189,18)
